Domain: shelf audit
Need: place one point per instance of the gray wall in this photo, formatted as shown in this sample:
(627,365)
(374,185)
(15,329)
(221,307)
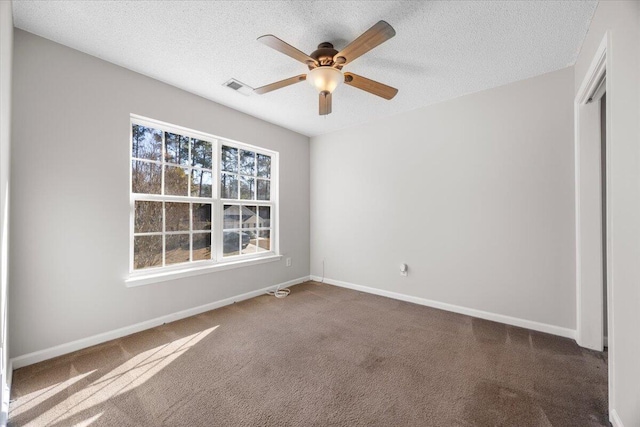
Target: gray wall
(70,207)
(474,194)
(622,20)
(6,56)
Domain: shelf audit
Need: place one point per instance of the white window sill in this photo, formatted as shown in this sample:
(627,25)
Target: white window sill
(139,279)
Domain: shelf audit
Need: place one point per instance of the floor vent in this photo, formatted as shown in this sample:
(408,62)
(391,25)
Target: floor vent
(239,87)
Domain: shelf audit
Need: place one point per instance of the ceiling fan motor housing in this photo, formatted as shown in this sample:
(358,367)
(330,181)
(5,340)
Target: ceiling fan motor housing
(324,54)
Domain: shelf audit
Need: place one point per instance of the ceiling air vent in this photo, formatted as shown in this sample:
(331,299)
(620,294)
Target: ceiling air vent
(239,87)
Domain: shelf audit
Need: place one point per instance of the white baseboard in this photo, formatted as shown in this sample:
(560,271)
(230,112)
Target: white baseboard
(528,324)
(615,419)
(59,350)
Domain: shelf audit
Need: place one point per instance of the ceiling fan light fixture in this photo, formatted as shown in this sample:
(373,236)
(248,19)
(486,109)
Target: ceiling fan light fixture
(325,79)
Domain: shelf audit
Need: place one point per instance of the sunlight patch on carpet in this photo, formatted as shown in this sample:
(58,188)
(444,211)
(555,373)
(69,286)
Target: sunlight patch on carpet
(124,378)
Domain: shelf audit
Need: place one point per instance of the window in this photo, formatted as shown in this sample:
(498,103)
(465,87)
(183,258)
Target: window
(197,199)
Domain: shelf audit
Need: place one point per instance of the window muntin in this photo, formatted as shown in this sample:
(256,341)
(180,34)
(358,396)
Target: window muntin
(185,210)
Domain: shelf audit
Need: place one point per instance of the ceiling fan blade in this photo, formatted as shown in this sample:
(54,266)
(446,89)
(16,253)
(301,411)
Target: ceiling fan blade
(378,34)
(279,85)
(284,47)
(371,86)
(325,103)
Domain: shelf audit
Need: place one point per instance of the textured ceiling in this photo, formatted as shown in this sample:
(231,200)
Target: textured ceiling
(442,50)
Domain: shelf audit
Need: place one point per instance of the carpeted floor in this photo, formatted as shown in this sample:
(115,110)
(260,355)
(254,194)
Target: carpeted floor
(323,356)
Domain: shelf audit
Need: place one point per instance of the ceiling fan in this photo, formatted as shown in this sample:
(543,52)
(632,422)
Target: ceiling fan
(325,65)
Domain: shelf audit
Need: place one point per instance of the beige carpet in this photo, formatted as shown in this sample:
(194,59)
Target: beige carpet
(324,356)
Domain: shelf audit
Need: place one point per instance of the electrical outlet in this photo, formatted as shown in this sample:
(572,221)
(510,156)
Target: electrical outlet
(403,269)
(288,262)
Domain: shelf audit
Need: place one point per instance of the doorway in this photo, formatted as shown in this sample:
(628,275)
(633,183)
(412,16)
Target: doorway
(593,145)
(592,220)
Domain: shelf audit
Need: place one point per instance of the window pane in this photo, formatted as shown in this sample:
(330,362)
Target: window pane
(229,186)
(200,183)
(231,243)
(265,216)
(264,190)
(201,246)
(247,186)
(229,160)
(249,241)
(147,251)
(201,153)
(177,249)
(249,217)
(146,177)
(202,216)
(146,143)
(264,166)
(177,216)
(176,181)
(176,148)
(247,163)
(148,217)
(231,217)
(264,243)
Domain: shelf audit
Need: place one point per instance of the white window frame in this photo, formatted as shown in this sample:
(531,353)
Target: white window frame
(218,261)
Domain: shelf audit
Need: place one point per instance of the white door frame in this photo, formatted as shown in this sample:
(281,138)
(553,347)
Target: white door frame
(588,193)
